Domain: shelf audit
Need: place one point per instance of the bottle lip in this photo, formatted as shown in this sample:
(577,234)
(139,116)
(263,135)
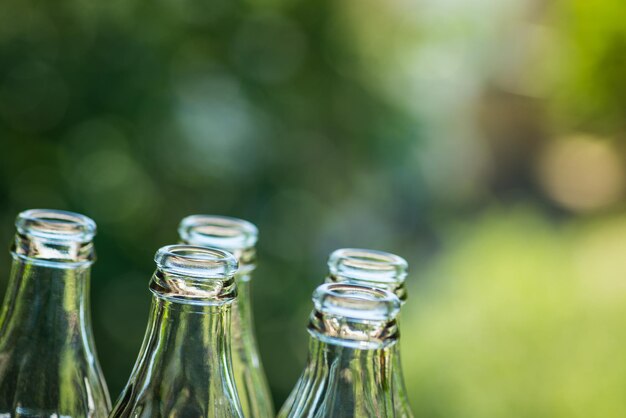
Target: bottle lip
(195,261)
(56,225)
(192,274)
(224,232)
(365,265)
(356,302)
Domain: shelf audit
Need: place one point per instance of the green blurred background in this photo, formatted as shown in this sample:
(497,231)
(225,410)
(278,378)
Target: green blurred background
(483,141)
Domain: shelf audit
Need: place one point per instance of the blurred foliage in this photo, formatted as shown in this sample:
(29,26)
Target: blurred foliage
(592,94)
(522,318)
(398,125)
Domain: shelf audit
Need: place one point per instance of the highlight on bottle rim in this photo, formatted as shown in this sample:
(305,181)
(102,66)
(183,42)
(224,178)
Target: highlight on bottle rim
(355,302)
(370,265)
(196,262)
(218,231)
(54,224)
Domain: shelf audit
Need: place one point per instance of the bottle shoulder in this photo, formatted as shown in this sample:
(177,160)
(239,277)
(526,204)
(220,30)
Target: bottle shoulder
(344,382)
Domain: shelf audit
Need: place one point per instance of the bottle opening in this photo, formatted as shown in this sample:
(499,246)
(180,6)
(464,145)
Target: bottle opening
(196,262)
(356,263)
(356,302)
(369,267)
(192,274)
(56,225)
(223,232)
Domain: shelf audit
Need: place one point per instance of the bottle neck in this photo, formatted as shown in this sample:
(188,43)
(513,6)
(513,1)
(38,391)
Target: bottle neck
(192,329)
(52,252)
(242,307)
(46,299)
(343,331)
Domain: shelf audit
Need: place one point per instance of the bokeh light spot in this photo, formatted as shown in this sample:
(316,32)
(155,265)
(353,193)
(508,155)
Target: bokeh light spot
(582,173)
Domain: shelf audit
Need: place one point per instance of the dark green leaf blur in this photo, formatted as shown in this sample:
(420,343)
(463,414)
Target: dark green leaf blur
(483,141)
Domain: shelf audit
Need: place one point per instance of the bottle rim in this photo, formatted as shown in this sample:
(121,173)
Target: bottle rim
(356,302)
(224,232)
(196,261)
(195,275)
(56,225)
(368,265)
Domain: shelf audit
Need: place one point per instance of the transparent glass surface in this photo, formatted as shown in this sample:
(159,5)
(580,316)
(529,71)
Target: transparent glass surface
(239,238)
(48,361)
(384,271)
(351,353)
(184,367)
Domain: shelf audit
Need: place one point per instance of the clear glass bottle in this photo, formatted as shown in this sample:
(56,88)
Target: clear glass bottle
(239,238)
(48,362)
(384,271)
(184,367)
(349,369)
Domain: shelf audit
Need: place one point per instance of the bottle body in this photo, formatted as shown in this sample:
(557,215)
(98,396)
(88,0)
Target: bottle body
(238,237)
(48,362)
(184,367)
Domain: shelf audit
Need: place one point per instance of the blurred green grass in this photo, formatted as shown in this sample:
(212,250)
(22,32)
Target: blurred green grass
(522,318)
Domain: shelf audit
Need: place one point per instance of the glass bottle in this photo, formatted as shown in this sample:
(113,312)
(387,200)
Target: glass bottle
(384,271)
(349,369)
(239,238)
(48,362)
(184,368)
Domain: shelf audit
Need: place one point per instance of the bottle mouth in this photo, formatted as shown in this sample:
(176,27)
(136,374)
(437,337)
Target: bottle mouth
(370,268)
(355,302)
(55,238)
(194,274)
(196,262)
(58,225)
(230,234)
(370,265)
(354,316)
